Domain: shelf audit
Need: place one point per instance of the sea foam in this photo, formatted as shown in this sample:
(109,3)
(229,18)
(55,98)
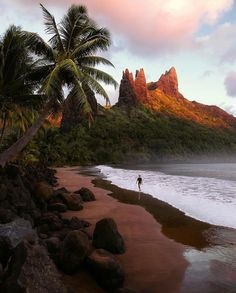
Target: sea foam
(207,199)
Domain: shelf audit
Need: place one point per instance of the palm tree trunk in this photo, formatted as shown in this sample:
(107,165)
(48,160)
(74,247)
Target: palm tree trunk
(21,143)
(3,127)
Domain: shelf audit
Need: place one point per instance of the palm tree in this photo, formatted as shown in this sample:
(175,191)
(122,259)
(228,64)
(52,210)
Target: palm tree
(15,64)
(68,60)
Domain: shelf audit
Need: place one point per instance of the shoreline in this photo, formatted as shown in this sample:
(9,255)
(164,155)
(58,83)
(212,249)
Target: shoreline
(153,262)
(175,224)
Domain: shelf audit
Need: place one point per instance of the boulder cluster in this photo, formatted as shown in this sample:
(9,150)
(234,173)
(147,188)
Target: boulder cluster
(37,241)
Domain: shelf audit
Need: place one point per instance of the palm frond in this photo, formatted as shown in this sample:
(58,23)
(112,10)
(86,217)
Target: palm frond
(89,47)
(94,60)
(78,93)
(96,87)
(37,45)
(73,25)
(100,75)
(51,28)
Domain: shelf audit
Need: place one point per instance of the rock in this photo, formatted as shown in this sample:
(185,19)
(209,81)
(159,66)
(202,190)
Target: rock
(133,91)
(31,270)
(86,194)
(3,192)
(43,190)
(127,95)
(11,234)
(106,236)
(53,244)
(50,220)
(168,83)
(59,207)
(6,216)
(106,269)
(75,249)
(60,191)
(73,201)
(75,223)
(141,86)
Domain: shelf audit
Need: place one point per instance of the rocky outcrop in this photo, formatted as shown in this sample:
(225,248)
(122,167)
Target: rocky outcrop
(132,91)
(127,95)
(140,86)
(43,190)
(73,201)
(31,270)
(11,234)
(106,269)
(107,236)
(168,83)
(86,194)
(75,248)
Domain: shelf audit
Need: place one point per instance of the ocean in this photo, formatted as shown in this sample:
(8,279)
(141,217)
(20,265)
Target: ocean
(206,192)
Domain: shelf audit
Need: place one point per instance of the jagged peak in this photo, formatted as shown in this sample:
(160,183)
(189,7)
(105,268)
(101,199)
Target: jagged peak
(128,75)
(168,83)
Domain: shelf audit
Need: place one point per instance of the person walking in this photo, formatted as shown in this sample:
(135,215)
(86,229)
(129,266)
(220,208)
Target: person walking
(139,182)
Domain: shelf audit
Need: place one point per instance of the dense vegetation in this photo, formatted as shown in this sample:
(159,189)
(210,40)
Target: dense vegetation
(29,65)
(129,135)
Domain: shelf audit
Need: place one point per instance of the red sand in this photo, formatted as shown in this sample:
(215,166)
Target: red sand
(152,263)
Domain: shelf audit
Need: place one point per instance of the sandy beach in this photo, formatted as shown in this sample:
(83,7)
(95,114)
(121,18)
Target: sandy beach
(152,263)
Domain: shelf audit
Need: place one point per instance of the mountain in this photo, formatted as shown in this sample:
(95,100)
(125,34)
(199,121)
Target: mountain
(163,96)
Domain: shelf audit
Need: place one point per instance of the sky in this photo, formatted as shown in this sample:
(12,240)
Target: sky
(197,37)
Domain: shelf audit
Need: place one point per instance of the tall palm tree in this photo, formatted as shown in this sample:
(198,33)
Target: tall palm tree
(69,59)
(16,91)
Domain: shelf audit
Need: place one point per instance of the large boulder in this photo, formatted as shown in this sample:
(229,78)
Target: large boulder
(43,190)
(73,201)
(106,269)
(31,270)
(75,248)
(107,236)
(53,244)
(86,194)
(11,234)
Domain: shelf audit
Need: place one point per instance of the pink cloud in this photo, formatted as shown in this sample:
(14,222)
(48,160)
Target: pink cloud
(151,25)
(230,84)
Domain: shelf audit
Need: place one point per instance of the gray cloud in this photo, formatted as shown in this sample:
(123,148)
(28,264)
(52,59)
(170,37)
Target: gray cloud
(230,84)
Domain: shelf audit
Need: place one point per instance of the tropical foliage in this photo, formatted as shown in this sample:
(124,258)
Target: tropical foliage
(69,59)
(132,135)
(16,89)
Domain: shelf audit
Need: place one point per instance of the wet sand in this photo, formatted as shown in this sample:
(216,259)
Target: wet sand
(152,263)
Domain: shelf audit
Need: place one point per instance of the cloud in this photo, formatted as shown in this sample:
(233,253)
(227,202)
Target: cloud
(230,84)
(221,43)
(151,26)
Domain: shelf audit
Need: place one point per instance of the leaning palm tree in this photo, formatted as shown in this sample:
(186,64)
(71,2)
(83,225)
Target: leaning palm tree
(69,59)
(16,91)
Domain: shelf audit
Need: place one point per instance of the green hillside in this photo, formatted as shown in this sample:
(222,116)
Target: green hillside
(131,135)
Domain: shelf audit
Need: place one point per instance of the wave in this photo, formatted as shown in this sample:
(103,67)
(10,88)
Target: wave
(206,199)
